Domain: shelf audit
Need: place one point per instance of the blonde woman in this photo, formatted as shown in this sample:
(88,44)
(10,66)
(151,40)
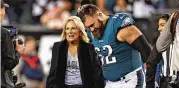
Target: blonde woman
(74,63)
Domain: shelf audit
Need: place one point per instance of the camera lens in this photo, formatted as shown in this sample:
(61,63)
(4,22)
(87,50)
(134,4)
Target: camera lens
(20,41)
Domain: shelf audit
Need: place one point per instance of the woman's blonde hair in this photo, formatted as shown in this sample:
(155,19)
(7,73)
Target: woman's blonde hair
(79,25)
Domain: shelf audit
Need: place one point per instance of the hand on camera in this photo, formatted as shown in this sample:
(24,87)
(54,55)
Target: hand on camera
(20,47)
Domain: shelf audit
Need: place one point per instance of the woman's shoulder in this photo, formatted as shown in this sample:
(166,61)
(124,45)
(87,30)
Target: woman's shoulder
(58,43)
(89,44)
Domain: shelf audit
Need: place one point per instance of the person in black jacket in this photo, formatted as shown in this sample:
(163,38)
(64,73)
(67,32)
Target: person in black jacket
(166,47)
(9,55)
(169,39)
(74,61)
(154,69)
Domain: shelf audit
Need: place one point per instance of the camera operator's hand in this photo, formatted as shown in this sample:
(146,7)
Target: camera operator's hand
(20,47)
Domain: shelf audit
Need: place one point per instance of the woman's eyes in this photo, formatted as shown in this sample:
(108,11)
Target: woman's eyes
(71,28)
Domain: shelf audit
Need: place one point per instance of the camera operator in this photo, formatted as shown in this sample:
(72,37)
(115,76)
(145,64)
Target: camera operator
(10,54)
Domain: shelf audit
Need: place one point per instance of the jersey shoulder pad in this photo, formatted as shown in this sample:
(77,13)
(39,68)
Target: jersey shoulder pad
(122,20)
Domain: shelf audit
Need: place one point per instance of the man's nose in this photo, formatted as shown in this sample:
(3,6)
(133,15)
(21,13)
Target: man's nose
(92,28)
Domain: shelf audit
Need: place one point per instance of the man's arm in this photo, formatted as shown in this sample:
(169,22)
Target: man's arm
(154,58)
(135,38)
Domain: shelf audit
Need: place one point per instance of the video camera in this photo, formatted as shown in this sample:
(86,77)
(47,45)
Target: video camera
(13,31)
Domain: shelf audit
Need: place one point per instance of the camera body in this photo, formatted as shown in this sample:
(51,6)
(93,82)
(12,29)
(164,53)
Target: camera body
(15,79)
(13,31)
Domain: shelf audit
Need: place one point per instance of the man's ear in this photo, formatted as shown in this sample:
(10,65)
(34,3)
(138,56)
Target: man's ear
(100,14)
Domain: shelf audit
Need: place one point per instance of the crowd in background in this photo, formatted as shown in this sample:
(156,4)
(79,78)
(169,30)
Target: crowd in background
(53,13)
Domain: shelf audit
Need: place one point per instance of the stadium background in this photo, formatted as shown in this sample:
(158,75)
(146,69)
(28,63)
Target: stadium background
(43,19)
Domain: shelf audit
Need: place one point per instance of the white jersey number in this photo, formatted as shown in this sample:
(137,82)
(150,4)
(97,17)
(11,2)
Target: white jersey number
(108,59)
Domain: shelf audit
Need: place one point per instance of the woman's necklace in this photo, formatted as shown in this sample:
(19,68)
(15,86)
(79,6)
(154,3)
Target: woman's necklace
(73,50)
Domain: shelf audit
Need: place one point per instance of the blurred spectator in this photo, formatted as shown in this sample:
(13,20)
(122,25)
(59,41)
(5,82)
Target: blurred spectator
(53,19)
(174,4)
(19,11)
(39,7)
(122,6)
(31,69)
(106,6)
(143,8)
(75,6)
(161,4)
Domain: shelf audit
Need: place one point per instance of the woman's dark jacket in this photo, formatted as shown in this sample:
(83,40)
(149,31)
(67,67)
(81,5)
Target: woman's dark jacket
(90,68)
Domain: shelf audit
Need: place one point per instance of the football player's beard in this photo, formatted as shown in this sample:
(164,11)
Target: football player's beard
(98,32)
